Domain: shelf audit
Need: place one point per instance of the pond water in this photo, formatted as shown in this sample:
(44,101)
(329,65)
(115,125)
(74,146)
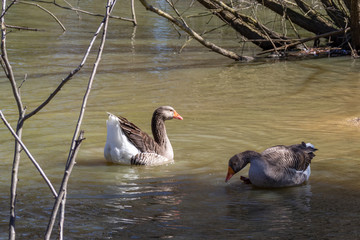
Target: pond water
(227,107)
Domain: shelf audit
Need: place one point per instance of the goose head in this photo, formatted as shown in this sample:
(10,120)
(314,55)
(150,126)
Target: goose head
(238,162)
(167,113)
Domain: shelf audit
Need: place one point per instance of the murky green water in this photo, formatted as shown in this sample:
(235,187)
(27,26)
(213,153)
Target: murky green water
(227,108)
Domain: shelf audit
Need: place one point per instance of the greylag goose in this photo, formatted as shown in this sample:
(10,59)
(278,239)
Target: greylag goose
(278,166)
(128,144)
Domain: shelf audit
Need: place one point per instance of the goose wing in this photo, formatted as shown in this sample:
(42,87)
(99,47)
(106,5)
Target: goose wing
(139,138)
(296,156)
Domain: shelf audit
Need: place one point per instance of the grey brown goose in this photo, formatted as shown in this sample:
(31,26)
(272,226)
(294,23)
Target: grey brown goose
(278,166)
(128,144)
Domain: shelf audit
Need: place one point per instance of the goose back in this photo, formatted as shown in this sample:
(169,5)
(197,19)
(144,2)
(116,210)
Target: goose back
(296,156)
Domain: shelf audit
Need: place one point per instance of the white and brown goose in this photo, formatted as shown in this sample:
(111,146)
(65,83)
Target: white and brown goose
(278,166)
(128,144)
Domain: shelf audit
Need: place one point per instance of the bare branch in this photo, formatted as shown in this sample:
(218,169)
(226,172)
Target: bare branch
(297,18)
(47,11)
(77,12)
(247,26)
(21,28)
(133,12)
(16,161)
(195,35)
(10,5)
(6,63)
(24,80)
(63,188)
(62,216)
(94,14)
(68,77)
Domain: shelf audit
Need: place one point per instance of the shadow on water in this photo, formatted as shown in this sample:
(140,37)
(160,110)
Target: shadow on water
(170,207)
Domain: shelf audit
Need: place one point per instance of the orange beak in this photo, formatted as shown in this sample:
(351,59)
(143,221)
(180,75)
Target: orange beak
(229,174)
(177,116)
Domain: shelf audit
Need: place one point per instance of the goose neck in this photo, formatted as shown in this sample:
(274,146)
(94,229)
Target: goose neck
(158,129)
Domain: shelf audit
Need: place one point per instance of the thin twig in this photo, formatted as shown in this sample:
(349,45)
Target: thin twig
(5,11)
(28,154)
(93,14)
(78,136)
(176,11)
(68,77)
(188,40)
(199,15)
(25,77)
(9,72)
(63,188)
(354,53)
(22,28)
(77,12)
(47,11)
(265,32)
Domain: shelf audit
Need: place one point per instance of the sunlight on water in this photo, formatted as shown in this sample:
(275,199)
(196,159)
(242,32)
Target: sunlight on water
(227,108)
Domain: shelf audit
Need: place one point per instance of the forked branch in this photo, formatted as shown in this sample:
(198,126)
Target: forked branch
(47,11)
(68,77)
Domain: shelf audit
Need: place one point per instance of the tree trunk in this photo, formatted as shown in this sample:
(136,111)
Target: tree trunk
(333,11)
(307,10)
(246,26)
(355,26)
(308,24)
(310,20)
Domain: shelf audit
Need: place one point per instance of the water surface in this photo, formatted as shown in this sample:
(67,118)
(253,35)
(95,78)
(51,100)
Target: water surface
(227,107)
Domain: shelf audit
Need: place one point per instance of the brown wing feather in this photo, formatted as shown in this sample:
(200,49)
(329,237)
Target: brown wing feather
(296,156)
(139,138)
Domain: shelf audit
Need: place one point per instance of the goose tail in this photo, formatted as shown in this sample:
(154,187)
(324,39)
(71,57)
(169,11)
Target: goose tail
(118,148)
(309,145)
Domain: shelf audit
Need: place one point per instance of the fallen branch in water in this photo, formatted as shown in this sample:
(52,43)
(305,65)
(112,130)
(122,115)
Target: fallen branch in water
(342,31)
(185,27)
